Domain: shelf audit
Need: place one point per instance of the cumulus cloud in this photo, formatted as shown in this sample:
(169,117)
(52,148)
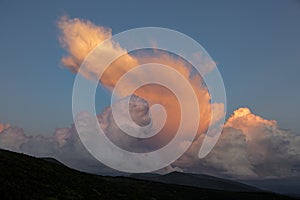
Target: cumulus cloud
(139,112)
(83,36)
(72,153)
(270,150)
(12,138)
(249,147)
(3,127)
(79,37)
(63,145)
(66,146)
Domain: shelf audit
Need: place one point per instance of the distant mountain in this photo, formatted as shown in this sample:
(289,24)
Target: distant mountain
(52,160)
(287,186)
(26,177)
(198,180)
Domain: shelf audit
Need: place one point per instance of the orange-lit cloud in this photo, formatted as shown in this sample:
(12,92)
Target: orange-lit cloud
(242,119)
(3,127)
(80,37)
(249,146)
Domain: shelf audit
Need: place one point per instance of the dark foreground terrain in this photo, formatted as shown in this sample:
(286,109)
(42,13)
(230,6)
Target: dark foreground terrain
(25,177)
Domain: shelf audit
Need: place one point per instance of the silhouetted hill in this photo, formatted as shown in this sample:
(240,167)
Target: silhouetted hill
(198,180)
(25,177)
(287,186)
(52,160)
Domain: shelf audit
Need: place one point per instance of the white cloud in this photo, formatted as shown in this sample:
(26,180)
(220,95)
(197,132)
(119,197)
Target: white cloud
(12,138)
(249,147)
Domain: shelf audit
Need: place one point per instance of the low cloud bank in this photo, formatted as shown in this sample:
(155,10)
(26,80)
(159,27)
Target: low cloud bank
(249,147)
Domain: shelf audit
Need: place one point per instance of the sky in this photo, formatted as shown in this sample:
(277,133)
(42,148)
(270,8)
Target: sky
(255,44)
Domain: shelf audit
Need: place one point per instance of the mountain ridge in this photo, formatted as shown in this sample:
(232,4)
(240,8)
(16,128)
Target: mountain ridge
(199,180)
(27,177)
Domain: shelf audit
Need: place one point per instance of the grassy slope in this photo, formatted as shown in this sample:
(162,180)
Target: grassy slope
(25,177)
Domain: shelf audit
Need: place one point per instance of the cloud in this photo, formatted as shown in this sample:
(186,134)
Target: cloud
(139,112)
(12,138)
(63,145)
(249,147)
(79,37)
(72,153)
(270,150)
(3,127)
(66,146)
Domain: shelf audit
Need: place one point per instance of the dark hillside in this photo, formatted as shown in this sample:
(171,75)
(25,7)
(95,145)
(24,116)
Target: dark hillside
(25,177)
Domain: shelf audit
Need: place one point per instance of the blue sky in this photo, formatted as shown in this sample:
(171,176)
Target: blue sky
(255,43)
